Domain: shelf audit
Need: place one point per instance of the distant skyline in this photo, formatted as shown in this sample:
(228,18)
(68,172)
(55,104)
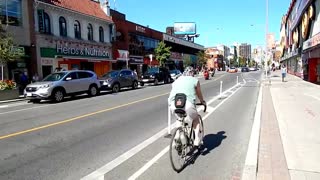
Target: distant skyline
(218,22)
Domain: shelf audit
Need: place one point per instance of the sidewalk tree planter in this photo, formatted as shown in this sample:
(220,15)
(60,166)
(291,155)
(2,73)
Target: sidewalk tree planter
(8,90)
(9,94)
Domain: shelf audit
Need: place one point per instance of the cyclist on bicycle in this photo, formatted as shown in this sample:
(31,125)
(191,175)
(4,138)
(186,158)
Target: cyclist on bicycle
(190,86)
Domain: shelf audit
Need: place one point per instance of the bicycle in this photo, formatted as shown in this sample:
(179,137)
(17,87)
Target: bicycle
(183,143)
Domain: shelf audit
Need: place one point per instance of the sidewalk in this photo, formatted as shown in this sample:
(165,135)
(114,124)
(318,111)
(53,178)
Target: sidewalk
(290,130)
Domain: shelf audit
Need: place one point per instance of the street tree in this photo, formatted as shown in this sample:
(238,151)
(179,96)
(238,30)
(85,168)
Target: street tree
(8,50)
(242,61)
(162,53)
(202,58)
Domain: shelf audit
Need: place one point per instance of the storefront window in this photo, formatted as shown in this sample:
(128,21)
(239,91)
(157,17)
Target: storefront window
(90,32)
(47,26)
(63,26)
(77,30)
(10,12)
(101,34)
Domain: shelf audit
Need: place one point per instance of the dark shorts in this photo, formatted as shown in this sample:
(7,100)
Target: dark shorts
(283,75)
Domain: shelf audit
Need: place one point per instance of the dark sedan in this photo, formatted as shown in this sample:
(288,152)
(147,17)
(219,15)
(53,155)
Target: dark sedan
(245,69)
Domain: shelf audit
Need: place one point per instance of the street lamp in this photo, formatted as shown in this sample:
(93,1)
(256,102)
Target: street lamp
(267,19)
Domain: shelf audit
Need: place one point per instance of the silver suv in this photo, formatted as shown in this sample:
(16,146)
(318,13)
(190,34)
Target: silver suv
(65,83)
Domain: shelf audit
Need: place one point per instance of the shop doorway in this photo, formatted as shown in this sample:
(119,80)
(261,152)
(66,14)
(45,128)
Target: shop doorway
(87,66)
(46,70)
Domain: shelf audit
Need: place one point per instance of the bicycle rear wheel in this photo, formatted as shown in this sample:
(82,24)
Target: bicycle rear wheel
(177,151)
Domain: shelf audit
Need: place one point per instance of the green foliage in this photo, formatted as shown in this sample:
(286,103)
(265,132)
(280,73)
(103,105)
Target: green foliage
(242,61)
(8,50)
(252,63)
(162,53)
(202,58)
(7,84)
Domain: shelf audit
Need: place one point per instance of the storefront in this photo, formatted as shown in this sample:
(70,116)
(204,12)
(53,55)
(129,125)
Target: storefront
(311,55)
(177,59)
(70,55)
(21,65)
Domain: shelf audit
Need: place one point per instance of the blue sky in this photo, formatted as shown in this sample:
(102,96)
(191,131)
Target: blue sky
(218,21)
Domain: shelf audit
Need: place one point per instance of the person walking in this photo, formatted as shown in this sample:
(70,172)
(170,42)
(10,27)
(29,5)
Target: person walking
(283,72)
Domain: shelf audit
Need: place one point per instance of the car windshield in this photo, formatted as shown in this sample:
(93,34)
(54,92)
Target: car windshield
(55,76)
(153,70)
(111,74)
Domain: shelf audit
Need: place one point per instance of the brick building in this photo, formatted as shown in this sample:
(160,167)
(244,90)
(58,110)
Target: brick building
(133,44)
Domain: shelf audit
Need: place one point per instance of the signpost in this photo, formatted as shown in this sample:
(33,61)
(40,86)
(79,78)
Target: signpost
(150,56)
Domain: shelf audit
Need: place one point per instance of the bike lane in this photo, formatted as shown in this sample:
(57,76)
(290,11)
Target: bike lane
(227,133)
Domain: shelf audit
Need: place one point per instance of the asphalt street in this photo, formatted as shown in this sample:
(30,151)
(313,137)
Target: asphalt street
(72,139)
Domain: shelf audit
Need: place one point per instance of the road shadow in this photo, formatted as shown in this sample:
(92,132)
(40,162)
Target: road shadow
(210,142)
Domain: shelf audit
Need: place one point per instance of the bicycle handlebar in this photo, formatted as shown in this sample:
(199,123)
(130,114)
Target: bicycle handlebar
(205,106)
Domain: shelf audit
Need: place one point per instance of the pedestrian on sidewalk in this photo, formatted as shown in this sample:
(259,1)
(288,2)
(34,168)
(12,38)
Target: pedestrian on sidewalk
(283,72)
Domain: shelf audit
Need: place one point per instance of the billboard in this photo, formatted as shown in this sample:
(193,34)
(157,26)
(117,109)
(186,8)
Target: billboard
(184,28)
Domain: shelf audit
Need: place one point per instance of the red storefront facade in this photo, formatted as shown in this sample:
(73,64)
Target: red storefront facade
(133,44)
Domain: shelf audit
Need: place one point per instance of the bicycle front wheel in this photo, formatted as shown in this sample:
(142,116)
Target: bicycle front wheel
(177,151)
(201,128)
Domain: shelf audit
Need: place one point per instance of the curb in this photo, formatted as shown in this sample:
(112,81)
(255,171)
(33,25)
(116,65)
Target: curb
(12,100)
(251,163)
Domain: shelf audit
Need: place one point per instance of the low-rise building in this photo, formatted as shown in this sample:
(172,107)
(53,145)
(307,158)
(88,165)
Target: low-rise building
(73,35)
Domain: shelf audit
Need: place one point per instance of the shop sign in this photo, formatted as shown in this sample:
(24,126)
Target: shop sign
(140,29)
(315,40)
(82,51)
(297,12)
(46,61)
(136,59)
(306,22)
(123,55)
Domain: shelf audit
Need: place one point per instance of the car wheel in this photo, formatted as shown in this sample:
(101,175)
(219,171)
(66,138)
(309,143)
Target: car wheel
(135,85)
(93,90)
(58,95)
(116,88)
(156,82)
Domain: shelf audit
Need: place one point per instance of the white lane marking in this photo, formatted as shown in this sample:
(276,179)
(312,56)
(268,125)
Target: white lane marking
(166,149)
(99,173)
(8,112)
(14,105)
(312,96)
(149,164)
(249,171)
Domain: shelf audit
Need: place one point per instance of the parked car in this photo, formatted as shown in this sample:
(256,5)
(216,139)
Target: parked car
(175,74)
(58,85)
(252,68)
(244,69)
(117,79)
(232,70)
(155,75)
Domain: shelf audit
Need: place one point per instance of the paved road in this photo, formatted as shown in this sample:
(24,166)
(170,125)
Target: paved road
(70,140)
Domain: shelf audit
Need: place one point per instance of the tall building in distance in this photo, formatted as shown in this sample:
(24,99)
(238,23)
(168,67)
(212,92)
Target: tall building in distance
(245,50)
(271,41)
